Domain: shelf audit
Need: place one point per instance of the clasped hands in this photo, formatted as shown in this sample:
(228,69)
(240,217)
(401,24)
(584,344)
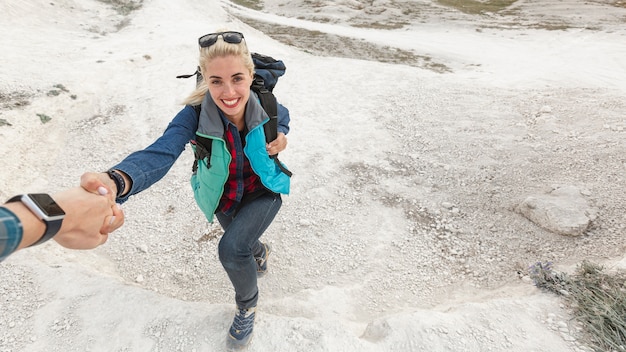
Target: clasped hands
(91,212)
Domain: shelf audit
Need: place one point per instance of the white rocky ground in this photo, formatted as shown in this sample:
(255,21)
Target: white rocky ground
(409,226)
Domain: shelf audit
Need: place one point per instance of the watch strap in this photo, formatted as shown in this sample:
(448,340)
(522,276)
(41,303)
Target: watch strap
(14,199)
(120,184)
(52,227)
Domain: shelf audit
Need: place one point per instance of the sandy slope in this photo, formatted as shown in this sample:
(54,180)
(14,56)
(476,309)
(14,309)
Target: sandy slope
(399,234)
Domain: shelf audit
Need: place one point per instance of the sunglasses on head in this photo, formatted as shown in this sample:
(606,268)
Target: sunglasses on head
(229,37)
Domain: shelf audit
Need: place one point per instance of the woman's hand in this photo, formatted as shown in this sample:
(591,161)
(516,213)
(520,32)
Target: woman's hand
(92,181)
(88,217)
(278,145)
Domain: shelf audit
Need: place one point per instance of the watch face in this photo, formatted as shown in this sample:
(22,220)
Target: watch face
(47,205)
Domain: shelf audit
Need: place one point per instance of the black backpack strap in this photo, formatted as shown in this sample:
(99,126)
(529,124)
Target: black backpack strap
(187,76)
(202,150)
(202,145)
(197,74)
(281,166)
(270,105)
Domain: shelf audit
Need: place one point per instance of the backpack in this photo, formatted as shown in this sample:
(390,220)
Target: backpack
(267,71)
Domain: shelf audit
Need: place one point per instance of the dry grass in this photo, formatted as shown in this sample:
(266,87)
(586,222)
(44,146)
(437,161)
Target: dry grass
(124,7)
(472,7)
(16,99)
(598,301)
(252,4)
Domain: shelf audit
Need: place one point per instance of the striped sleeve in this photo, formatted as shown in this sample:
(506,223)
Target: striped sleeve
(11,232)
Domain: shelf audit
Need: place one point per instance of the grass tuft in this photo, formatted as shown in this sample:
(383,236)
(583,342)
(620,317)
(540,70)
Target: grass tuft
(124,7)
(598,300)
(44,118)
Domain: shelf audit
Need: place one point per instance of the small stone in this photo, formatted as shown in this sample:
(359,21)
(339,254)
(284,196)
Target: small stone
(447,205)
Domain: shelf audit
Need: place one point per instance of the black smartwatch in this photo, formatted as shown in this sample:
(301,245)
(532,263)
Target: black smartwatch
(46,209)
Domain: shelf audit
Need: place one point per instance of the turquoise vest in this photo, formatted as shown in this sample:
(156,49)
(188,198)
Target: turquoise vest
(208,180)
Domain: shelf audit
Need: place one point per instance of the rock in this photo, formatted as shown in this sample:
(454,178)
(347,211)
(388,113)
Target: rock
(564,211)
(305,222)
(546,109)
(376,330)
(447,205)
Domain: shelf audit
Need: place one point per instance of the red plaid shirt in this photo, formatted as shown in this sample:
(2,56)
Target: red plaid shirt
(241,179)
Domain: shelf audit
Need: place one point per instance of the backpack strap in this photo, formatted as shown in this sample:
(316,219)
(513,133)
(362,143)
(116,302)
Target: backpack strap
(197,74)
(270,105)
(202,149)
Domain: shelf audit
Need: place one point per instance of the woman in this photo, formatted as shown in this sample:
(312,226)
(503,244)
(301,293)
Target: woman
(241,186)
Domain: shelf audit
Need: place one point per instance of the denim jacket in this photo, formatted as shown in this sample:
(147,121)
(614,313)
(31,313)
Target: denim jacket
(146,167)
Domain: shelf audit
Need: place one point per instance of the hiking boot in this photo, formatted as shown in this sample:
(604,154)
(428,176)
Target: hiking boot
(240,332)
(261,259)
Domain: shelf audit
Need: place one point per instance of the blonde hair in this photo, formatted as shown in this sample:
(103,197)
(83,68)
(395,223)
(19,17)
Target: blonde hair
(219,49)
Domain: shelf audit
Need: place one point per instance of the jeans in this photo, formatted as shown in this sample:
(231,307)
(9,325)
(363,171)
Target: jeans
(240,243)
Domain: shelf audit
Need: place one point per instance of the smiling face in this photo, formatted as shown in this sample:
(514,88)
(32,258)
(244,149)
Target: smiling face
(229,83)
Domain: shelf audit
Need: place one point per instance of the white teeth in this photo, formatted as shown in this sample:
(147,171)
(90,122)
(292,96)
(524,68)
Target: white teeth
(230,102)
